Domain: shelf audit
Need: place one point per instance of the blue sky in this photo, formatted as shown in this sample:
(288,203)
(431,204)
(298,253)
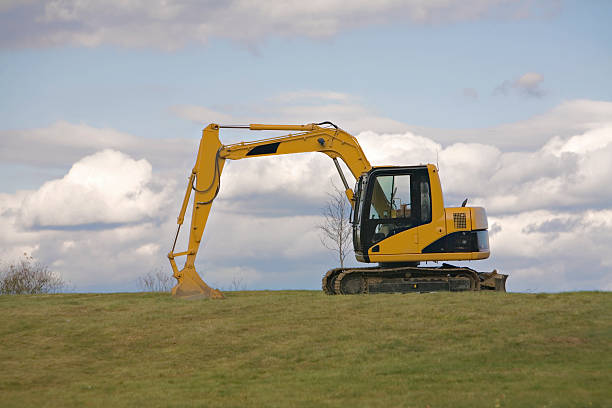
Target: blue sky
(143,79)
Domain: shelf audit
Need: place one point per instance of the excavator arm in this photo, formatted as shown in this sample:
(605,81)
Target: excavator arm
(205,181)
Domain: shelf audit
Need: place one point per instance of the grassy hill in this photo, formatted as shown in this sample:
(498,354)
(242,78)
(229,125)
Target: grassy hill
(303,348)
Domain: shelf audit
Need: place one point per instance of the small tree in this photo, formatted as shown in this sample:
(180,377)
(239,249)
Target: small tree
(29,277)
(335,230)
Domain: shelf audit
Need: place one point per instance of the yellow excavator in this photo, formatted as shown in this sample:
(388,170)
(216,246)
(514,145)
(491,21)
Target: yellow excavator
(398,217)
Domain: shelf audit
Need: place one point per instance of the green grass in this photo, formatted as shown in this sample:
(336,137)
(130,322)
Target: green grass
(304,349)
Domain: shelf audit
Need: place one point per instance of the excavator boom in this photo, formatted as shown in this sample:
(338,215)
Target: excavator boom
(205,181)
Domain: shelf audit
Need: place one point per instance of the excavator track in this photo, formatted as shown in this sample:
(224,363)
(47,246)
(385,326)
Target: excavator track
(406,279)
(328,283)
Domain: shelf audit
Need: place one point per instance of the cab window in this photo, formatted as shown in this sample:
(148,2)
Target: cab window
(391,197)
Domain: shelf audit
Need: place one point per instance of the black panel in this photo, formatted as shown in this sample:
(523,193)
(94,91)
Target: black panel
(360,254)
(461,241)
(269,148)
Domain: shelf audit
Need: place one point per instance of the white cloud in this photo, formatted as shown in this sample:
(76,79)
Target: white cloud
(590,141)
(172,24)
(105,188)
(287,237)
(398,148)
(292,175)
(545,180)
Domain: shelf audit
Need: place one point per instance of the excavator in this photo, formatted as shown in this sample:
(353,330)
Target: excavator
(398,217)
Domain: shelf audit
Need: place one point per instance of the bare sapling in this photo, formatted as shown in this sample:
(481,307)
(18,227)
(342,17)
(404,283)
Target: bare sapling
(335,229)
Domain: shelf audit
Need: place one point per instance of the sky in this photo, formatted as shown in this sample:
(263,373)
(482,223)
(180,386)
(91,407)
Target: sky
(103,103)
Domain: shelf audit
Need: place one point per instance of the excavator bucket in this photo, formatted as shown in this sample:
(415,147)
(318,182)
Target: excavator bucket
(191,286)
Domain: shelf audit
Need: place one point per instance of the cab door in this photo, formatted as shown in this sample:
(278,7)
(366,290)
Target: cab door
(396,201)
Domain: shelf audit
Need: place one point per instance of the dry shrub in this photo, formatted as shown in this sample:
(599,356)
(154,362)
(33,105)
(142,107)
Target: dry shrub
(29,277)
(237,283)
(156,281)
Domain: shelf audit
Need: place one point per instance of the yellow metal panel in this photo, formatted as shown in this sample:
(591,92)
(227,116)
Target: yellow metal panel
(431,232)
(403,243)
(437,199)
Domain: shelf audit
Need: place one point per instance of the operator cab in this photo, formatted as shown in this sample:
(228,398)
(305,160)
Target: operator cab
(389,200)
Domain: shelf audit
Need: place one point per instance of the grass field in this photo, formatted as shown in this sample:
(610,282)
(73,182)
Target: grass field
(304,349)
